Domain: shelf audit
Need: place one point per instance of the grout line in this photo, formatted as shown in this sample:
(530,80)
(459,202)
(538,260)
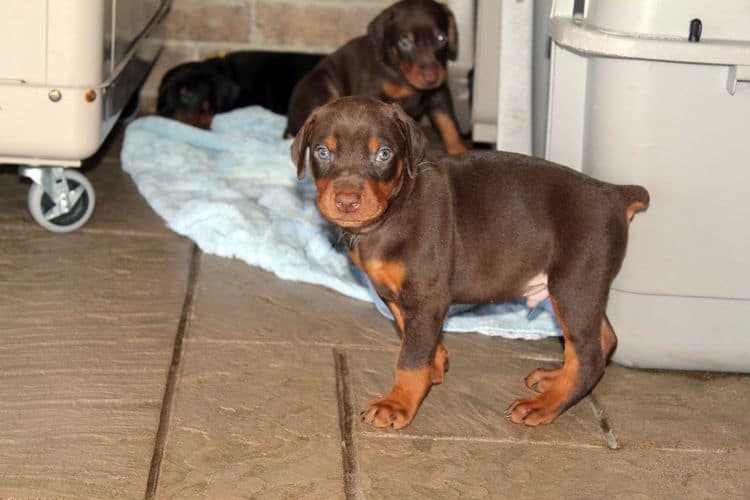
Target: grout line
(601,419)
(470,439)
(346,423)
(133,233)
(321,345)
(20,226)
(518,442)
(171,387)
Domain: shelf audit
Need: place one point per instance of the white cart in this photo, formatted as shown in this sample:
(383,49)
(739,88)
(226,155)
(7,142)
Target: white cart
(67,70)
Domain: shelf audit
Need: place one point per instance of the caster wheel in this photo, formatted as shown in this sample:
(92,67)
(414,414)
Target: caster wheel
(71,207)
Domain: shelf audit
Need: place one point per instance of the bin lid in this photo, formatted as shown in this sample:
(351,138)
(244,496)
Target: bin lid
(658,30)
(720,19)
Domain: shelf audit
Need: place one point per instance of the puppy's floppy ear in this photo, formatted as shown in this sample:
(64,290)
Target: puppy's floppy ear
(415,142)
(452,34)
(300,145)
(376,31)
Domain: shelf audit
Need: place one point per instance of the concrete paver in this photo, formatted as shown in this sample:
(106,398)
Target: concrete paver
(430,468)
(470,402)
(235,301)
(87,332)
(120,208)
(681,410)
(254,421)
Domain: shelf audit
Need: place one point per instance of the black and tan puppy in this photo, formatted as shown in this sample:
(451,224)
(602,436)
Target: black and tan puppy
(194,92)
(401,59)
(472,228)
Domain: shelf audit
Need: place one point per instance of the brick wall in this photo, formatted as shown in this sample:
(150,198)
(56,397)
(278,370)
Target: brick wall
(197,29)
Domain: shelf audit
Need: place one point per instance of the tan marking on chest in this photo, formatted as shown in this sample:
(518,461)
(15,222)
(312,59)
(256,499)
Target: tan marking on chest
(449,134)
(354,255)
(396,91)
(398,316)
(389,274)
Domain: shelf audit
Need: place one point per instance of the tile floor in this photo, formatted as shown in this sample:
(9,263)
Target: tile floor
(132,365)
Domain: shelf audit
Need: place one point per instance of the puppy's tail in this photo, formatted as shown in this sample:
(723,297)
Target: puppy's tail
(635,198)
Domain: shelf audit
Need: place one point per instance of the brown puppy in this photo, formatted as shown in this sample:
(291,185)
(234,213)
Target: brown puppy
(472,228)
(401,59)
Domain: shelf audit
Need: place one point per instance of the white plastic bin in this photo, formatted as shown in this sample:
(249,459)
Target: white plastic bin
(633,101)
(67,69)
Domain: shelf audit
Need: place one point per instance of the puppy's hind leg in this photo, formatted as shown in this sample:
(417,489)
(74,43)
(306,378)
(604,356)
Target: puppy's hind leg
(578,296)
(543,379)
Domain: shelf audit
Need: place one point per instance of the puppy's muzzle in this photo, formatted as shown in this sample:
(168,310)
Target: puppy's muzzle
(430,73)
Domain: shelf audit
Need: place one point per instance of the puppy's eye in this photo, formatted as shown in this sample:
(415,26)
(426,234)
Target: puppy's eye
(384,154)
(405,44)
(323,153)
(441,39)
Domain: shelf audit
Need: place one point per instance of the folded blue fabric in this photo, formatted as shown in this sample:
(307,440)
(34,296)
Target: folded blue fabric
(233,190)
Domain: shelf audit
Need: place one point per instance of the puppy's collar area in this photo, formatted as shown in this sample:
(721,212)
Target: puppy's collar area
(350,239)
(368,228)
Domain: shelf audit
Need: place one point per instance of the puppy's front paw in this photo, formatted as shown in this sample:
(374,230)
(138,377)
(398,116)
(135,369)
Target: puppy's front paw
(388,412)
(542,409)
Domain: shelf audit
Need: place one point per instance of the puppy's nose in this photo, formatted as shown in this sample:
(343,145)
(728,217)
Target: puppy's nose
(429,72)
(348,201)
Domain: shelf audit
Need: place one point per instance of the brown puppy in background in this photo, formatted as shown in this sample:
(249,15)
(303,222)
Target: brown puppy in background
(402,59)
(469,229)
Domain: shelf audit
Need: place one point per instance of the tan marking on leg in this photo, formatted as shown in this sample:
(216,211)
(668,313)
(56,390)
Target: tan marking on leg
(452,141)
(547,406)
(607,338)
(400,405)
(542,379)
(354,255)
(571,363)
(439,364)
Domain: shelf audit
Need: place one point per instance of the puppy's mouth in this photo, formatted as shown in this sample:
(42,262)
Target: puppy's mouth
(200,119)
(430,76)
(352,206)
(424,77)
(350,211)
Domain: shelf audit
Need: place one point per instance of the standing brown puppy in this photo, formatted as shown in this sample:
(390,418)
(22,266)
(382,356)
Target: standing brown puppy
(402,59)
(473,228)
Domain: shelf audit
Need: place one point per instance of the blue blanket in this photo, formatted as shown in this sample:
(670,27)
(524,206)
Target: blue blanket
(233,190)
